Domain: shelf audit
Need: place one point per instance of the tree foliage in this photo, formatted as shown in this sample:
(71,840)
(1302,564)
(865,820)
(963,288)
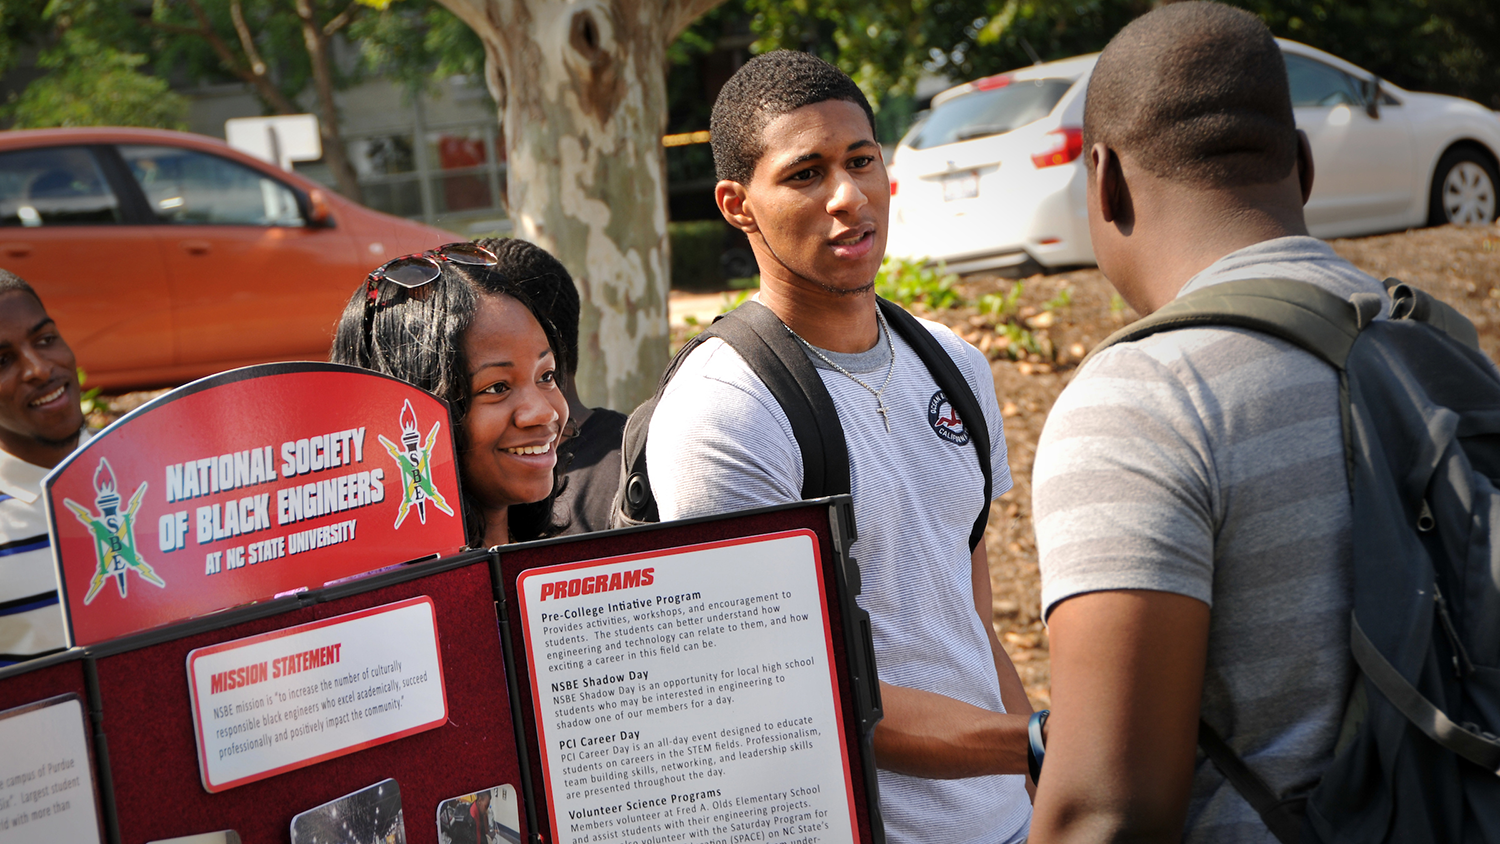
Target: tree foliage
(20,24)
(281,50)
(93,84)
(86,80)
(278,48)
(1446,46)
(886,47)
(417,43)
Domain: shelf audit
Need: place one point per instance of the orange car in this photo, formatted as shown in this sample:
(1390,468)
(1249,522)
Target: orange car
(166,256)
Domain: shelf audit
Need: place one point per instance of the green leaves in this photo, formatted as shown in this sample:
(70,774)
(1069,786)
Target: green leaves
(416,42)
(93,84)
(1445,46)
(90,400)
(908,281)
(1448,46)
(887,46)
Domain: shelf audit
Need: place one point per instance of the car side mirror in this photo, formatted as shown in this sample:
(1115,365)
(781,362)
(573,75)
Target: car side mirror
(319,215)
(1372,94)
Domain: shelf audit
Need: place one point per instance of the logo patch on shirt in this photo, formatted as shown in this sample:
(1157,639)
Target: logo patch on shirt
(944,420)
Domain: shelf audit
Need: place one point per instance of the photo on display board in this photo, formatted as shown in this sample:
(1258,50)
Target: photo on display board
(47,774)
(225,836)
(371,815)
(484,817)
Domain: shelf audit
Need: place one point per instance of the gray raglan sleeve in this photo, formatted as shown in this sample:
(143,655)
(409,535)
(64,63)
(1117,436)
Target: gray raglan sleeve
(1122,490)
(718,441)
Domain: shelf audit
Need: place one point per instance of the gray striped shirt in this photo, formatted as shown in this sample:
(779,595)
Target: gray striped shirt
(1209,463)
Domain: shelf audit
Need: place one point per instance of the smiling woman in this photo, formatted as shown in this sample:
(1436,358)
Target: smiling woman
(454,323)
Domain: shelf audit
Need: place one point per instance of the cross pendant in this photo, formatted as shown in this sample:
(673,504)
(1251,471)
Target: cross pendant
(881,410)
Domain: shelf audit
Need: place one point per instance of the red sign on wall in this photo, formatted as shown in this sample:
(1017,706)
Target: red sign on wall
(245,485)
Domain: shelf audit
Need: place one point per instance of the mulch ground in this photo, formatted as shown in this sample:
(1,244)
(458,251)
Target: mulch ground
(1459,265)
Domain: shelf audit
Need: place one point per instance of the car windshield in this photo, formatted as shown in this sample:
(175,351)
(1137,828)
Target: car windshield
(992,112)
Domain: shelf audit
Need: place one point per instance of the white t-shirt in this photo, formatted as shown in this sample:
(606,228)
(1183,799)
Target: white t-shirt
(719,442)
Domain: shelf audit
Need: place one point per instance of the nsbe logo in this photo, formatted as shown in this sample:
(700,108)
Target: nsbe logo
(113,533)
(415,460)
(945,421)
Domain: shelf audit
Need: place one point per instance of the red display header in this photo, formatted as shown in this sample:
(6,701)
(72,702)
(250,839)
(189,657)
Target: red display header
(246,485)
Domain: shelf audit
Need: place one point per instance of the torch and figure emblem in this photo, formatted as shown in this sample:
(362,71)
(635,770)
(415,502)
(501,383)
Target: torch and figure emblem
(113,533)
(415,459)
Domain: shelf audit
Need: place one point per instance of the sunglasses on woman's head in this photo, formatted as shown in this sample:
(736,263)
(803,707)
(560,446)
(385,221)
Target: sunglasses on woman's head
(412,272)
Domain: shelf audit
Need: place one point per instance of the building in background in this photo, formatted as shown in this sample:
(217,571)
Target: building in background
(436,156)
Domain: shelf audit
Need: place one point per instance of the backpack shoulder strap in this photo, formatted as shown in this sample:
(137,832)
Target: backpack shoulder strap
(958,392)
(1295,311)
(1408,302)
(1282,817)
(775,356)
(778,359)
(634,502)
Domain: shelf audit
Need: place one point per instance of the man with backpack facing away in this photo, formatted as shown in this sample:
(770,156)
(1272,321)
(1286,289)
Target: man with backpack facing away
(802,175)
(1195,523)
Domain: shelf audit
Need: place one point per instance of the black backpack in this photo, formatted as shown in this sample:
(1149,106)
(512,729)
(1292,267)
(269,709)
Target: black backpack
(1418,755)
(781,363)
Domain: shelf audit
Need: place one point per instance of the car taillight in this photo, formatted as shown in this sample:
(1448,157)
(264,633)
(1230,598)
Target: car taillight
(1059,146)
(893,187)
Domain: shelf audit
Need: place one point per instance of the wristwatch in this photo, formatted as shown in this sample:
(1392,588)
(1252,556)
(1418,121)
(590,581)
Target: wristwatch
(1036,749)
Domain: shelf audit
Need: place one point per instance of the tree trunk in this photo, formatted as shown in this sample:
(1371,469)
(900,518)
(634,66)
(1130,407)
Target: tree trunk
(581,86)
(328,123)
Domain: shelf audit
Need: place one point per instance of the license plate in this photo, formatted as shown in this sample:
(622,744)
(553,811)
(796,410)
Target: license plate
(961,186)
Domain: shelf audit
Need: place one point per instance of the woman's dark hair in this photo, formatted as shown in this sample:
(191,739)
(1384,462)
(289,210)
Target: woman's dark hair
(550,287)
(417,336)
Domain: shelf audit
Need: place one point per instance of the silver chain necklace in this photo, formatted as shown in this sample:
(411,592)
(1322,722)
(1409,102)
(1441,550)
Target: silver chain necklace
(878,394)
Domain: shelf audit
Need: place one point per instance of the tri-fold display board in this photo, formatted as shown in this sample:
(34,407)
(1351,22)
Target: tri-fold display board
(707,680)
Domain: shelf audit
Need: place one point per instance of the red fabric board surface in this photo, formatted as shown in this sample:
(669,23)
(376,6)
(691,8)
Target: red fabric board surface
(813,517)
(42,683)
(147,723)
(52,681)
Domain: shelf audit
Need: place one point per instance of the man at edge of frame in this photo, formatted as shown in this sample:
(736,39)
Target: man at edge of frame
(41,422)
(1191,498)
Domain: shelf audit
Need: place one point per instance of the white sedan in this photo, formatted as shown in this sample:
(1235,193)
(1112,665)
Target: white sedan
(993,176)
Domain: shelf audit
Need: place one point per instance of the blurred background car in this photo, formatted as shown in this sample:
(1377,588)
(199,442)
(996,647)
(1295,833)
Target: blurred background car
(166,256)
(993,177)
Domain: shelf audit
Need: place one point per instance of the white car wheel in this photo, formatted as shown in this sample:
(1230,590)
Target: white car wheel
(1464,191)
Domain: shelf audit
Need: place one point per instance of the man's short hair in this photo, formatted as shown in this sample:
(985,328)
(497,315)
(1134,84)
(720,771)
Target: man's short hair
(765,88)
(1195,92)
(547,282)
(10,281)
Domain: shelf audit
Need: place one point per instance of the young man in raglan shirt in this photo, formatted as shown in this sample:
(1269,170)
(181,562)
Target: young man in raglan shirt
(1191,503)
(802,175)
(41,422)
